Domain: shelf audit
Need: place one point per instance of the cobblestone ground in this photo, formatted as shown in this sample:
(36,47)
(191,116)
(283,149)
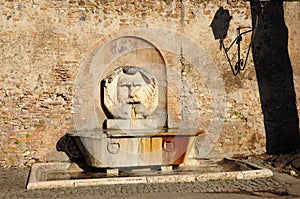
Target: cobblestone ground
(13,183)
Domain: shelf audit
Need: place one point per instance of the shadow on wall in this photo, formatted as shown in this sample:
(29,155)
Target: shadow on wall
(275,77)
(273,70)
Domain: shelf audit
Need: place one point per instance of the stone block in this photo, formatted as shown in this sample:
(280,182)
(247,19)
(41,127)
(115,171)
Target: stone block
(112,172)
(131,124)
(166,168)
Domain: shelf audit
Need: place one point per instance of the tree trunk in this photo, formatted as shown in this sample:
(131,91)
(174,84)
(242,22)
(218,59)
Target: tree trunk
(275,77)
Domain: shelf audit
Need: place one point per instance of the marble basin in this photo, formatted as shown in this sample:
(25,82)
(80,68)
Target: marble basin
(117,148)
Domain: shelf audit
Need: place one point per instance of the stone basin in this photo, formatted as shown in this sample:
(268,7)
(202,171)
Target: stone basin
(119,148)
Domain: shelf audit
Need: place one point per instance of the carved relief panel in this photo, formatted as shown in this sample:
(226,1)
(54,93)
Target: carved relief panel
(131,93)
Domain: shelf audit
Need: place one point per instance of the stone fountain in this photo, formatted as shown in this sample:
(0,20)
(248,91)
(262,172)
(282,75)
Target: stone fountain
(132,134)
(133,109)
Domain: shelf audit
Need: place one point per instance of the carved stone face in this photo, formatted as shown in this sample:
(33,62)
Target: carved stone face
(130,93)
(128,87)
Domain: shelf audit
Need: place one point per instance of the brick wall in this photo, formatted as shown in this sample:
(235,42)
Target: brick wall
(46,44)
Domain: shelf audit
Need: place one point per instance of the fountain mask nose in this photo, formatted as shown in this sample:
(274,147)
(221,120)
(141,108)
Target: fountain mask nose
(133,91)
(133,98)
(130,92)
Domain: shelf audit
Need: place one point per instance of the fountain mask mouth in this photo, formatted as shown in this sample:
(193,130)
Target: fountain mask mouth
(134,102)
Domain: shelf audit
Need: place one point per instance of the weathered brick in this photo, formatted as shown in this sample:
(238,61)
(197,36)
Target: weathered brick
(44,46)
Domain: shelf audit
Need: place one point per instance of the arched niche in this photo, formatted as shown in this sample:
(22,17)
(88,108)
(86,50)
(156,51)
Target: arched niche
(120,51)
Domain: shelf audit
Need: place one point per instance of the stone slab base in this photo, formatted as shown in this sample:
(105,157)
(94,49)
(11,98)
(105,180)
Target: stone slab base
(39,171)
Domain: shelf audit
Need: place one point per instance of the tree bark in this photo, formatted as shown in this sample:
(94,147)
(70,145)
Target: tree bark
(275,77)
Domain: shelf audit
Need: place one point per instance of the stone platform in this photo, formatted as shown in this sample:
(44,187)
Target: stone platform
(59,175)
(13,183)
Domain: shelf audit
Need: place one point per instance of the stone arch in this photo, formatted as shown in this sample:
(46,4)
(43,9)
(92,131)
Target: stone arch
(122,50)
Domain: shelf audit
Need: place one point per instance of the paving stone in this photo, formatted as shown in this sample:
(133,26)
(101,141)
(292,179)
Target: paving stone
(13,183)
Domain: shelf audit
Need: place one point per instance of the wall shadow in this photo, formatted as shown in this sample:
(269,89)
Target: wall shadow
(275,77)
